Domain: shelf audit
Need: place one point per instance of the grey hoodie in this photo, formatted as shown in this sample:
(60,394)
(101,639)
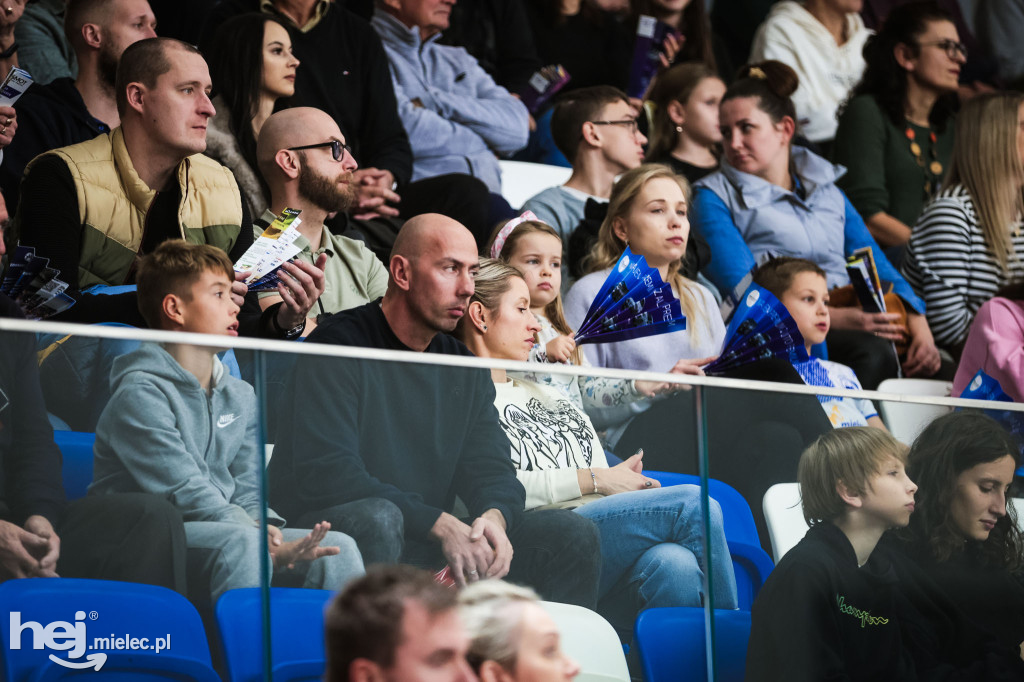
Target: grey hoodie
(161,434)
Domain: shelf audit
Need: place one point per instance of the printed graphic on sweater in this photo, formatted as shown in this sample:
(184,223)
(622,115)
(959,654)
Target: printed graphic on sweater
(544,438)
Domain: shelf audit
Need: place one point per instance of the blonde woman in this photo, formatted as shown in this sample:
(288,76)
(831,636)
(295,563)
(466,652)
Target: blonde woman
(512,637)
(968,242)
(652,542)
(648,211)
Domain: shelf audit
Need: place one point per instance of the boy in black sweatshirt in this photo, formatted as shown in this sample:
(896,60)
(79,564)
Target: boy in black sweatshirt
(829,609)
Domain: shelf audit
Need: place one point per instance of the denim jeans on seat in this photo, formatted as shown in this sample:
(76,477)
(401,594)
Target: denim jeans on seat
(652,545)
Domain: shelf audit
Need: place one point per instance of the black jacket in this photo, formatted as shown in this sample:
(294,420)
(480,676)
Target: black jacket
(344,72)
(417,435)
(49,116)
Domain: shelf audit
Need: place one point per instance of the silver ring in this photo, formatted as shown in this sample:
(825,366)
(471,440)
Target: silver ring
(473,573)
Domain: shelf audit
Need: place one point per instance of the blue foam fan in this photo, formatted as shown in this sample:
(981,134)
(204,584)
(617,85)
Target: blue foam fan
(633,302)
(985,387)
(761,328)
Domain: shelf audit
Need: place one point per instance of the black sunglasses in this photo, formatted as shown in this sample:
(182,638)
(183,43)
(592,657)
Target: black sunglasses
(337,149)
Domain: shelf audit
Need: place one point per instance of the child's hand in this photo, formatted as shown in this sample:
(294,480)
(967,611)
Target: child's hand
(287,554)
(560,348)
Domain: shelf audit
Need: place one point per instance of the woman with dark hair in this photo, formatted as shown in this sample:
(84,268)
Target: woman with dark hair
(894,135)
(252,67)
(774,199)
(963,534)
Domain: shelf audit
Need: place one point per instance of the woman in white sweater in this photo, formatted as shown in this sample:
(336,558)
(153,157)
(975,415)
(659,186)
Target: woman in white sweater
(653,546)
(823,41)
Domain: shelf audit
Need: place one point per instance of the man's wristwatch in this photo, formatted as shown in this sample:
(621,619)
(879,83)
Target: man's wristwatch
(290,334)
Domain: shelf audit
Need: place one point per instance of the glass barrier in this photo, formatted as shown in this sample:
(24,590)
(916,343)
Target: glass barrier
(636,490)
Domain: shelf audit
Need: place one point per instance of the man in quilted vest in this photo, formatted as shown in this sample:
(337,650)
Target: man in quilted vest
(93,208)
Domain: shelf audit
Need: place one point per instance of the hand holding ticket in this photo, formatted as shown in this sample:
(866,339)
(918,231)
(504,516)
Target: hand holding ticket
(271,249)
(14,86)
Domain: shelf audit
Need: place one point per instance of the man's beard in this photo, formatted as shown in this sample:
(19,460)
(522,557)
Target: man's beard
(324,192)
(107,66)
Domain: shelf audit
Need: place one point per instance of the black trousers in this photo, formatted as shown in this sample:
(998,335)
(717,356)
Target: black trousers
(133,537)
(556,552)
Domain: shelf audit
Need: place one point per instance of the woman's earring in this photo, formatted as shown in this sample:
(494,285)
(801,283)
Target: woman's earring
(485,327)
(679,129)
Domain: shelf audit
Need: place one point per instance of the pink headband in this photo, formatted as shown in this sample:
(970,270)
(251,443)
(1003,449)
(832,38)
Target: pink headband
(499,241)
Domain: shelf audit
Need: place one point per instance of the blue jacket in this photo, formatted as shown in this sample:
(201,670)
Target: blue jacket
(743,217)
(456,117)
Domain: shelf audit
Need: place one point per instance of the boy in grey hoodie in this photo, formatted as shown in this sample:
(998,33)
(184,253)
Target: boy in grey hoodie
(180,427)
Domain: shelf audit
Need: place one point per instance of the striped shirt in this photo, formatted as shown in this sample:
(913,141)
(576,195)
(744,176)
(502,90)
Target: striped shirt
(950,266)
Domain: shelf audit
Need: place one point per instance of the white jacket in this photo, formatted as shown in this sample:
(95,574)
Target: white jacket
(827,71)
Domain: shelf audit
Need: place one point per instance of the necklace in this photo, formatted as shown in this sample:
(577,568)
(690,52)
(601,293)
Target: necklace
(933,170)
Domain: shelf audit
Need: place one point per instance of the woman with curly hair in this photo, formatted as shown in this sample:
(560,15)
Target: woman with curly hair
(894,136)
(963,534)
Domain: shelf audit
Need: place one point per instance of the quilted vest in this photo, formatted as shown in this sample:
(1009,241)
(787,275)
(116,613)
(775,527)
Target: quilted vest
(113,202)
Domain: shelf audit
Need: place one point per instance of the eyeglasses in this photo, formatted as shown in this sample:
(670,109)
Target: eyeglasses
(952,48)
(629,123)
(337,149)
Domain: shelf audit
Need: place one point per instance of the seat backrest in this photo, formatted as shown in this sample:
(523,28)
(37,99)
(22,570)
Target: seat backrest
(672,644)
(591,640)
(737,519)
(1018,509)
(76,453)
(784,515)
(907,420)
(751,564)
(127,630)
(296,631)
(520,180)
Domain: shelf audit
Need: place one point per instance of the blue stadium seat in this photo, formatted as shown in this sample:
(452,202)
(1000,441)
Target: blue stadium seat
(750,563)
(84,626)
(296,631)
(76,451)
(672,645)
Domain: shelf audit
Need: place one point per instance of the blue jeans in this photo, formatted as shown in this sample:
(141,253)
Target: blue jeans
(653,552)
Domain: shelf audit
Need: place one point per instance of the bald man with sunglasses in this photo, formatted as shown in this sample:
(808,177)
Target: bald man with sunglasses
(308,166)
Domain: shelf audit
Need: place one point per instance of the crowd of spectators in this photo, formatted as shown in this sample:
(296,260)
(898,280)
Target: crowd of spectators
(144,167)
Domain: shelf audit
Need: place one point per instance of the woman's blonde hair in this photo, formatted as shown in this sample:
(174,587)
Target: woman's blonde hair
(491,612)
(608,247)
(552,311)
(986,163)
(677,84)
(492,281)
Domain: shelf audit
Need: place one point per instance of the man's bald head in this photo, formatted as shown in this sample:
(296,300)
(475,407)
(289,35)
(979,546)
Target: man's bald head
(431,231)
(433,264)
(294,127)
(295,154)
